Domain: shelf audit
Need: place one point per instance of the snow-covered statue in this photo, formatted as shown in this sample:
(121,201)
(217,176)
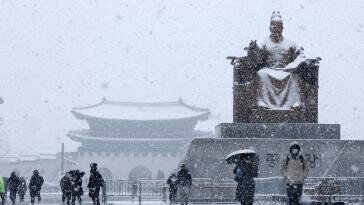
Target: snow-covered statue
(276,77)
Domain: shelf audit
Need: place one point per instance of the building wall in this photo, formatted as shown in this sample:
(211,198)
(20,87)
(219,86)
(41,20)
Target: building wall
(120,166)
(49,169)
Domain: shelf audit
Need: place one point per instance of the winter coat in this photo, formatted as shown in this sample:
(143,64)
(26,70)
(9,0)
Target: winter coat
(65,184)
(244,174)
(22,186)
(76,185)
(184,178)
(13,182)
(2,185)
(294,169)
(36,183)
(245,171)
(95,182)
(172,182)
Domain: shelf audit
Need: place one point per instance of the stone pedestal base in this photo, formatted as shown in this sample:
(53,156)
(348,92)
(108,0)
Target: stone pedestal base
(278,130)
(327,155)
(342,158)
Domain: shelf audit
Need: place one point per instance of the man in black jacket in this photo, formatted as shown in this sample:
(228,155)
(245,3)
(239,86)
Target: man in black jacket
(76,186)
(94,184)
(35,185)
(13,184)
(172,182)
(184,182)
(65,185)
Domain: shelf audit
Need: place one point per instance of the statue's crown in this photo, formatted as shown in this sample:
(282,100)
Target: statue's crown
(276,16)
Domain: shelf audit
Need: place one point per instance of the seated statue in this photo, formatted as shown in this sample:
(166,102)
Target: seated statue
(278,69)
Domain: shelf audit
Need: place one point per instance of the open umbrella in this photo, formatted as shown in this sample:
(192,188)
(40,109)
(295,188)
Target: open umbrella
(235,156)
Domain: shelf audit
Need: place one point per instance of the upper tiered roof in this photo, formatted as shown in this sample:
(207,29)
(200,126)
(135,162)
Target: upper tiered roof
(136,111)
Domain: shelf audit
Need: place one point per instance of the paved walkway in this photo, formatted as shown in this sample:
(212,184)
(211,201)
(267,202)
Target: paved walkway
(55,199)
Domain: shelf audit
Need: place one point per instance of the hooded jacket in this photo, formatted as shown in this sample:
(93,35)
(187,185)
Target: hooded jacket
(13,182)
(294,168)
(184,177)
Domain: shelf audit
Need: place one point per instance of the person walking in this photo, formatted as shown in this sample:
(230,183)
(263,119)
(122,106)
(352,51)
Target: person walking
(294,170)
(65,184)
(184,183)
(2,190)
(35,186)
(13,184)
(172,182)
(245,171)
(76,186)
(22,189)
(95,183)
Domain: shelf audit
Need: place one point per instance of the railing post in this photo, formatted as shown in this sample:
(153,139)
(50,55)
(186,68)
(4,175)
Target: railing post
(164,193)
(140,192)
(212,191)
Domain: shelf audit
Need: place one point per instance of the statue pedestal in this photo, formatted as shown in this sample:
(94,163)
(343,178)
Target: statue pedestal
(327,155)
(278,130)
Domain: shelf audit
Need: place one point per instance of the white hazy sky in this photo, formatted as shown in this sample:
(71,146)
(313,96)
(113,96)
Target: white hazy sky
(58,54)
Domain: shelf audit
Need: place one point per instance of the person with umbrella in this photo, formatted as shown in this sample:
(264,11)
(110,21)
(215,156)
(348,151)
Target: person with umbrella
(76,186)
(245,171)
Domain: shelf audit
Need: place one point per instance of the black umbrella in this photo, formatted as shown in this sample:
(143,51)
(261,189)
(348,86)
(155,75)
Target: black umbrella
(235,156)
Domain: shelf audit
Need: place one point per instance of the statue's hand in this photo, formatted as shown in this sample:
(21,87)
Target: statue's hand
(235,61)
(313,61)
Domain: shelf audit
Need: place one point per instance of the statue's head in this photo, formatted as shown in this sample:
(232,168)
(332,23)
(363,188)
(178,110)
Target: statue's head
(276,24)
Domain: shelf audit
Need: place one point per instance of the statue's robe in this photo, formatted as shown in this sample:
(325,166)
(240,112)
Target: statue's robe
(278,85)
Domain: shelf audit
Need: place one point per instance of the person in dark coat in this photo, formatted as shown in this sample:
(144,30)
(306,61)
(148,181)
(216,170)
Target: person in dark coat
(244,173)
(172,182)
(35,185)
(76,186)
(184,183)
(22,189)
(65,185)
(13,184)
(94,184)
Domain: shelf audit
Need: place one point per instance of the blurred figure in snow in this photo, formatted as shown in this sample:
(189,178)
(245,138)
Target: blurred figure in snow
(184,182)
(22,189)
(13,184)
(172,182)
(35,185)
